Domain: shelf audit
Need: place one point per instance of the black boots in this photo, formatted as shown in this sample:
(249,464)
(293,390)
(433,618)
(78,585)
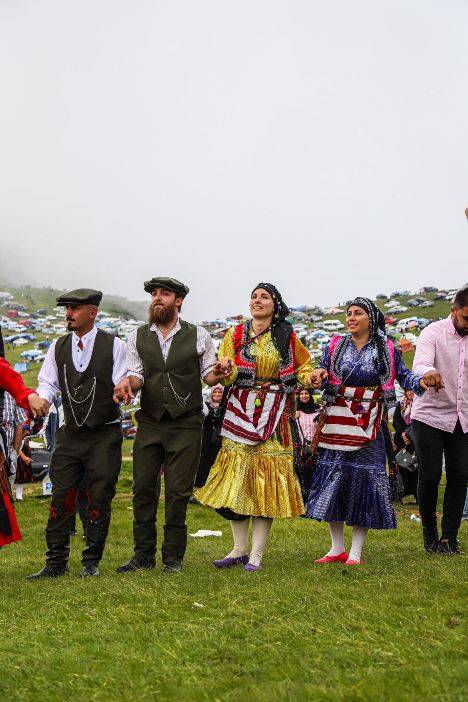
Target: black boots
(49,571)
(135,563)
(448,547)
(431,539)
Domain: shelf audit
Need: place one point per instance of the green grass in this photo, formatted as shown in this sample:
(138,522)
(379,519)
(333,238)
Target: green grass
(389,630)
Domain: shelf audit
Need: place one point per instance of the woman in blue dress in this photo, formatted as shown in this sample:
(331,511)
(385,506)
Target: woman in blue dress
(350,483)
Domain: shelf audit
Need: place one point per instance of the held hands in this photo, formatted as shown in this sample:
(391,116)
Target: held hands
(223,368)
(38,406)
(432,379)
(318,377)
(123,392)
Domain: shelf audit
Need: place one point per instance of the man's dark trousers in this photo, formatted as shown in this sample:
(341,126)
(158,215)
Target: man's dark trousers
(174,444)
(431,444)
(98,453)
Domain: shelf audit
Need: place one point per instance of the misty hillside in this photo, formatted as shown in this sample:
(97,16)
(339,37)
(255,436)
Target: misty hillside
(35,298)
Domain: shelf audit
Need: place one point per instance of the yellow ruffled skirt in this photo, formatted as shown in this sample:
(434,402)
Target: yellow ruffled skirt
(259,480)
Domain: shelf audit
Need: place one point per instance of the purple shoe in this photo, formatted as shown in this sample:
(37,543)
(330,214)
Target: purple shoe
(229,562)
(251,567)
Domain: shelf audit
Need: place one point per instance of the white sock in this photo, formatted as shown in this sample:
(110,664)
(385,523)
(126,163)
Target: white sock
(240,533)
(337,538)
(260,529)
(359,536)
(19,492)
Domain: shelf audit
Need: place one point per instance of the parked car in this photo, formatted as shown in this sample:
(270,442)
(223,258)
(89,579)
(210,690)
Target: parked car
(390,320)
(427,303)
(381,296)
(428,289)
(398,309)
(391,303)
(332,325)
(413,303)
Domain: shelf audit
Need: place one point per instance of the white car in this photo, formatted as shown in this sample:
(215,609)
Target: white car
(398,309)
(332,325)
(427,303)
(391,303)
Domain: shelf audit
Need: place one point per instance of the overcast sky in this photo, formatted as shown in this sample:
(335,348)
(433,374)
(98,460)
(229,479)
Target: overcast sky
(318,145)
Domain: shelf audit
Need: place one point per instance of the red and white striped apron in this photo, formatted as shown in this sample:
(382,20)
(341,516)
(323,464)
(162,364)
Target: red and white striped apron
(353,420)
(252,415)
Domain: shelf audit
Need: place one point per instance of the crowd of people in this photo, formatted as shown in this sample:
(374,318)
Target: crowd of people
(261,448)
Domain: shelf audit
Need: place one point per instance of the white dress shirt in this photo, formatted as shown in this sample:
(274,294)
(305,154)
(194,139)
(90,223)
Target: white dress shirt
(48,380)
(205,350)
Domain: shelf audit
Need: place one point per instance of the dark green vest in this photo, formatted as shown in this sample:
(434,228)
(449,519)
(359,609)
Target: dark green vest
(92,390)
(173,386)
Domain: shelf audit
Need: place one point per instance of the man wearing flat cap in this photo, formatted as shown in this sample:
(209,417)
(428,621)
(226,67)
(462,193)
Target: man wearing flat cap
(84,366)
(167,359)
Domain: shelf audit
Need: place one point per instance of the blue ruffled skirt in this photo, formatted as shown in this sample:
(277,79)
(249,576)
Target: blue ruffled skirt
(352,487)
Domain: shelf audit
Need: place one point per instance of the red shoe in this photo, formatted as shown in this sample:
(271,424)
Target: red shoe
(340,558)
(350,561)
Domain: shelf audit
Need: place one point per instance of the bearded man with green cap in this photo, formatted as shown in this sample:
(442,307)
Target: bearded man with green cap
(84,366)
(167,360)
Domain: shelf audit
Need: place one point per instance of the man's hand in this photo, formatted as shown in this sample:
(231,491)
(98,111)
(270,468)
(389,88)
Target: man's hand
(38,406)
(123,392)
(432,379)
(318,377)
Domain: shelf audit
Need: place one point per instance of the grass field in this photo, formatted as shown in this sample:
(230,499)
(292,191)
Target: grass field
(392,629)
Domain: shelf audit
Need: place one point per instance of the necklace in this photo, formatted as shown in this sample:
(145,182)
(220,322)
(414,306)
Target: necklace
(79,402)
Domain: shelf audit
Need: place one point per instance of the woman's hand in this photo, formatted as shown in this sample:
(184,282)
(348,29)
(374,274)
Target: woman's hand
(318,377)
(223,368)
(432,379)
(38,406)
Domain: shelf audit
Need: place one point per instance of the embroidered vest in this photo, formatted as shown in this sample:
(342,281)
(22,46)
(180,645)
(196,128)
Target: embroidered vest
(389,386)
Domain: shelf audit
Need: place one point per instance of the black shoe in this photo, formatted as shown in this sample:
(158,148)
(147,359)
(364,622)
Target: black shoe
(89,570)
(431,539)
(135,564)
(193,501)
(448,547)
(49,572)
(174,567)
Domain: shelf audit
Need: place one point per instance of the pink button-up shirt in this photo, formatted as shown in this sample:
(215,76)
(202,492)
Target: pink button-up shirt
(441,348)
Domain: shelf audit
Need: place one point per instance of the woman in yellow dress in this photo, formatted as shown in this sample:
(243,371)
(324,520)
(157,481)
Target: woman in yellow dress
(254,475)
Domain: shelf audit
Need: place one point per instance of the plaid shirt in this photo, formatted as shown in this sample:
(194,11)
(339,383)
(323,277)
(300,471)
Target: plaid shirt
(12,416)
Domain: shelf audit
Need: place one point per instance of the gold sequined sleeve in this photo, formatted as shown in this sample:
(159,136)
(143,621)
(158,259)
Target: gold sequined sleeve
(226,350)
(302,363)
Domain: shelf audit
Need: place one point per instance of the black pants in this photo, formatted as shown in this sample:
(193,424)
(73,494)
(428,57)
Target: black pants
(174,443)
(98,454)
(431,445)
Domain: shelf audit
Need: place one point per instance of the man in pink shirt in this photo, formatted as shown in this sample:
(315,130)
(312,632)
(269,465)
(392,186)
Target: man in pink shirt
(440,424)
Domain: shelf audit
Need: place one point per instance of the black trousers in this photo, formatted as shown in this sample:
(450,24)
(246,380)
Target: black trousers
(174,443)
(96,454)
(431,444)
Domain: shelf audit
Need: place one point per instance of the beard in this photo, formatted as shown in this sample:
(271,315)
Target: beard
(162,315)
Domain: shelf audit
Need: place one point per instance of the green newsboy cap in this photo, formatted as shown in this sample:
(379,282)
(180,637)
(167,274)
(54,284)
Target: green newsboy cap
(176,286)
(81,296)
